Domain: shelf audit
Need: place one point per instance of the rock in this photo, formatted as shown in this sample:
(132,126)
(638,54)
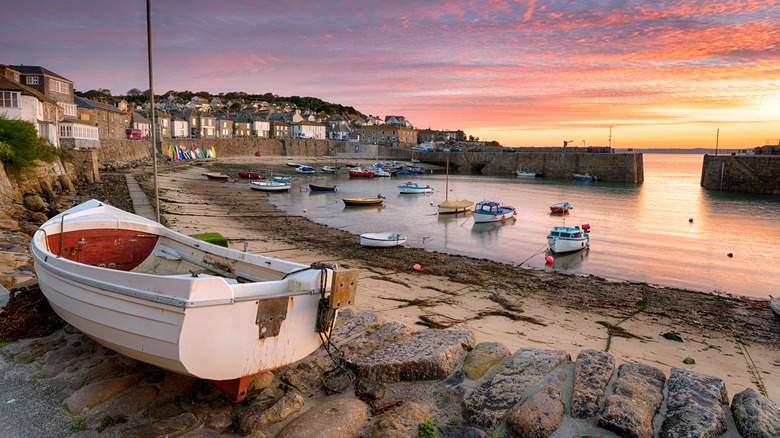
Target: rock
(756,416)
(127,403)
(482,358)
(429,354)
(373,339)
(46,188)
(39,217)
(694,405)
(449,431)
(256,418)
(34,203)
(307,375)
(592,372)
(96,393)
(489,403)
(450,391)
(372,391)
(174,426)
(332,419)
(66,183)
(8,224)
(638,393)
(539,416)
(353,326)
(402,422)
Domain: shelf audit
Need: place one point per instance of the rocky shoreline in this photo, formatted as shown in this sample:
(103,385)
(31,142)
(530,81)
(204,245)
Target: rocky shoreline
(390,379)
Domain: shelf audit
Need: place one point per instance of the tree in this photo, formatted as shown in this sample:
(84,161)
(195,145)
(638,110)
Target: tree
(134,92)
(20,146)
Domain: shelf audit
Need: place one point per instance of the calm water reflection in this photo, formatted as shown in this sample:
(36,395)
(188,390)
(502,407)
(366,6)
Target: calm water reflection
(640,232)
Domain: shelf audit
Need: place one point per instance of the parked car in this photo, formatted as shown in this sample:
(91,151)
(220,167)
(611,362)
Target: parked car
(509,149)
(456,149)
(474,149)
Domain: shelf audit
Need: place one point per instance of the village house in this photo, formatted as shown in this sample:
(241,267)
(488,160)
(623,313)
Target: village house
(307,130)
(388,135)
(180,128)
(20,102)
(141,123)
(224,126)
(111,122)
(279,129)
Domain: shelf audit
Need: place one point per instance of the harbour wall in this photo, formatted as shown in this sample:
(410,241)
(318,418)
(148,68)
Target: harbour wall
(742,173)
(556,163)
(552,162)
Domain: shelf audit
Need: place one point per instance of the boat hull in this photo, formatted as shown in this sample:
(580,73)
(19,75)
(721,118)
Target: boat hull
(269,186)
(362,201)
(775,304)
(142,302)
(584,177)
(413,188)
(455,207)
(319,188)
(563,240)
(381,240)
(250,175)
(492,212)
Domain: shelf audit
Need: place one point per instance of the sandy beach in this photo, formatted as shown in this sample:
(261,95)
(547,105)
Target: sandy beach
(729,337)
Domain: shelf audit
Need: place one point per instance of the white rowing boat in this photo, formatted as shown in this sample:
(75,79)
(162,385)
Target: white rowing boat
(182,304)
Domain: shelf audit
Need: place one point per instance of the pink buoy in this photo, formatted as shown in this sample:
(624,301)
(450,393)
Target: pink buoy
(416,267)
(304,211)
(548,259)
(690,219)
(586,227)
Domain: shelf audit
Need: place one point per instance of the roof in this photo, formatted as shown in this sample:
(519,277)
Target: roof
(88,103)
(76,121)
(138,118)
(8,84)
(36,70)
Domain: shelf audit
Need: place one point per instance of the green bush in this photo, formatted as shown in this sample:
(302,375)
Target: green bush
(20,147)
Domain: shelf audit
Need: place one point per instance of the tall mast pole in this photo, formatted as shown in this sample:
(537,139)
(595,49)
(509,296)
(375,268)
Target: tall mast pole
(717,137)
(151,105)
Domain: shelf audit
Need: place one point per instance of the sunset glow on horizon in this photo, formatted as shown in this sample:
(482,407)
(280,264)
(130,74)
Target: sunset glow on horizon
(526,73)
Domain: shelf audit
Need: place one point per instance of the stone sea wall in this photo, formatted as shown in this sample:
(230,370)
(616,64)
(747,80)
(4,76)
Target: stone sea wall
(742,173)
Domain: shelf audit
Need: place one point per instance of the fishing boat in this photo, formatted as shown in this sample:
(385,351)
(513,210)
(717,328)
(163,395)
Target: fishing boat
(568,239)
(382,240)
(364,201)
(453,207)
(413,188)
(360,173)
(352,164)
(491,211)
(250,175)
(291,164)
(585,177)
(270,186)
(183,304)
(282,179)
(378,171)
(562,207)
(304,169)
(520,173)
(329,169)
(774,303)
(321,188)
(217,176)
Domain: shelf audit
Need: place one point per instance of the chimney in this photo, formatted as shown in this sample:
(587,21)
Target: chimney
(3,71)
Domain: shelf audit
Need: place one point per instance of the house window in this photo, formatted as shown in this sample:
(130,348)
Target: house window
(16,77)
(31,80)
(9,99)
(58,86)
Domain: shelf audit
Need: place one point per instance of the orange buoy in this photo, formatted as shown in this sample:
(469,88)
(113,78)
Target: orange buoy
(548,259)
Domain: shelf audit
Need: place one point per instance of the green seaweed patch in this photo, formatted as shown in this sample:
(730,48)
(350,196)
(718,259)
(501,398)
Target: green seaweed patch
(427,430)
(673,336)
(689,361)
(214,238)
(109,421)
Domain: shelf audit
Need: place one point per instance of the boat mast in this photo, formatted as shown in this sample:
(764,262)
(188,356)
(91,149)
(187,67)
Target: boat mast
(447,181)
(151,106)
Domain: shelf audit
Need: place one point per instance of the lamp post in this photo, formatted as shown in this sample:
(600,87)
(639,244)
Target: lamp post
(151,106)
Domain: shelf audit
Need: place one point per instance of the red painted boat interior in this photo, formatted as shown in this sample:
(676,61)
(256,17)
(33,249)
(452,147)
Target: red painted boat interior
(108,248)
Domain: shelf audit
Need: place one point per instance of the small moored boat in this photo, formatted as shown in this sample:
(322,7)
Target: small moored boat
(282,179)
(568,239)
(304,169)
(562,207)
(491,211)
(774,303)
(183,304)
(321,188)
(520,173)
(364,201)
(291,164)
(411,187)
(329,169)
(269,186)
(382,240)
(585,177)
(250,175)
(217,176)
(358,172)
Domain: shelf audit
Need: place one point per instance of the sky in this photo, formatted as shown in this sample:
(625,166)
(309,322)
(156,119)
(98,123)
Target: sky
(660,73)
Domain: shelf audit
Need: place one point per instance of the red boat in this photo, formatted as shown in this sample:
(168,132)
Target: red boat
(250,175)
(563,207)
(361,173)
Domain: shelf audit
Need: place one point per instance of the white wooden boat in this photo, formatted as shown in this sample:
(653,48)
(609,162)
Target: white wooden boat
(382,240)
(304,169)
(269,186)
(179,303)
(413,188)
(329,169)
(562,207)
(568,239)
(491,211)
(217,176)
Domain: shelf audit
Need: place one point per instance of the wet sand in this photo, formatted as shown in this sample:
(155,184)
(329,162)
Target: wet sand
(734,338)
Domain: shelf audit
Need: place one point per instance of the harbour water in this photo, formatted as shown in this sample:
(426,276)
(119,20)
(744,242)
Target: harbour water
(639,232)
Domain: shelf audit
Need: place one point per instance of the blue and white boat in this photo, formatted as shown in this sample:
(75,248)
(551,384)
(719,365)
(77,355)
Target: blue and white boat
(410,187)
(491,211)
(304,169)
(585,177)
(282,179)
(568,239)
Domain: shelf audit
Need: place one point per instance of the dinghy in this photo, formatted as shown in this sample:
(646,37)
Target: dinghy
(182,304)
